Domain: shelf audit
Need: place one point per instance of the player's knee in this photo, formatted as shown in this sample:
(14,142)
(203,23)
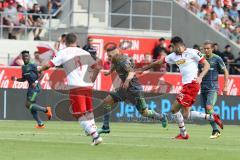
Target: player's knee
(209,109)
(173,111)
(27,105)
(144,113)
(186,115)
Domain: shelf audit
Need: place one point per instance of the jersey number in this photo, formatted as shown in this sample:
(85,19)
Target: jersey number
(78,63)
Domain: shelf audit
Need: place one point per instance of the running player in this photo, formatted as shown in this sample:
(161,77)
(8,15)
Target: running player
(30,74)
(209,85)
(77,64)
(130,90)
(187,60)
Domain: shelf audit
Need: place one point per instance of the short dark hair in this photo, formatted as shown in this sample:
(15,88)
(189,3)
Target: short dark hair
(111,48)
(162,39)
(209,42)
(63,35)
(71,38)
(176,40)
(227,46)
(196,46)
(35,4)
(24,52)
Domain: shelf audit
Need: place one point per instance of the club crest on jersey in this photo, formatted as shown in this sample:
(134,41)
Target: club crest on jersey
(200,54)
(181,61)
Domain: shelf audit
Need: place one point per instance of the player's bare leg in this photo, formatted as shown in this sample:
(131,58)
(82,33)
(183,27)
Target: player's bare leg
(34,109)
(215,133)
(195,115)
(87,122)
(145,112)
(106,105)
(178,117)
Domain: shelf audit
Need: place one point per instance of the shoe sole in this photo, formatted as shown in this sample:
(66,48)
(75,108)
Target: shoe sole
(99,142)
(215,137)
(49,110)
(104,132)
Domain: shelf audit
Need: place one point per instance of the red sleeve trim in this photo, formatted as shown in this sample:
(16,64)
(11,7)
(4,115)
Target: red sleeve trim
(94,66)
(201,60)
(51,64)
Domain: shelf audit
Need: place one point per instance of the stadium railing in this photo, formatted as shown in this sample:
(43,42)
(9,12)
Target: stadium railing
(47,18)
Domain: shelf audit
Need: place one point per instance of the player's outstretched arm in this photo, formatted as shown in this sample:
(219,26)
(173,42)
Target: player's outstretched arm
(13,78)
(206,67)
(147,67)
(107,73)
(44,68)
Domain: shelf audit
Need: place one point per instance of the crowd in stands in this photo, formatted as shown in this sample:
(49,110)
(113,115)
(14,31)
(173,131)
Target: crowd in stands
(17,14)
(232,62)
(223,15)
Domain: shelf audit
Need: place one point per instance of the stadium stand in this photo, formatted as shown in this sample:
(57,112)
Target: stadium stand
(221,15)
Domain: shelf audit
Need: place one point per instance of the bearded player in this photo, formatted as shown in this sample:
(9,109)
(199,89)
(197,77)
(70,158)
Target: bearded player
(130,89)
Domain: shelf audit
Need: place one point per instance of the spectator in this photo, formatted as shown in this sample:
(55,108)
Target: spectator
(201,2)
(3,4)
(201,14)
(197,47)
(209,7)
(18,60)
(238,41)
(229,58)
(161,46)
(21,17)
(233,13)
(227,29)
(237,65)
(90,48)
(218,9)
(215,22)
(207,18)
(36,20)
(217,51)
(27,4)
(193,6)
(53,6)
(236,34)
(10,18)
(184,3)
(37,58)
(60,44)
(222,18)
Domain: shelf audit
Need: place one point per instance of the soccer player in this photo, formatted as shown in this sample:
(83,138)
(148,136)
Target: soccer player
(30,74)
(209,85)
(77,64)
(130,90)
(187,60)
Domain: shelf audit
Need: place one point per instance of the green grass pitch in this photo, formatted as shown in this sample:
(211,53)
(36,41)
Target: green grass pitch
(127,141)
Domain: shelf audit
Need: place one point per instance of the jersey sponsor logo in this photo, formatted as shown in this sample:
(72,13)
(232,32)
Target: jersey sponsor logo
(180,62)
(200,54)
